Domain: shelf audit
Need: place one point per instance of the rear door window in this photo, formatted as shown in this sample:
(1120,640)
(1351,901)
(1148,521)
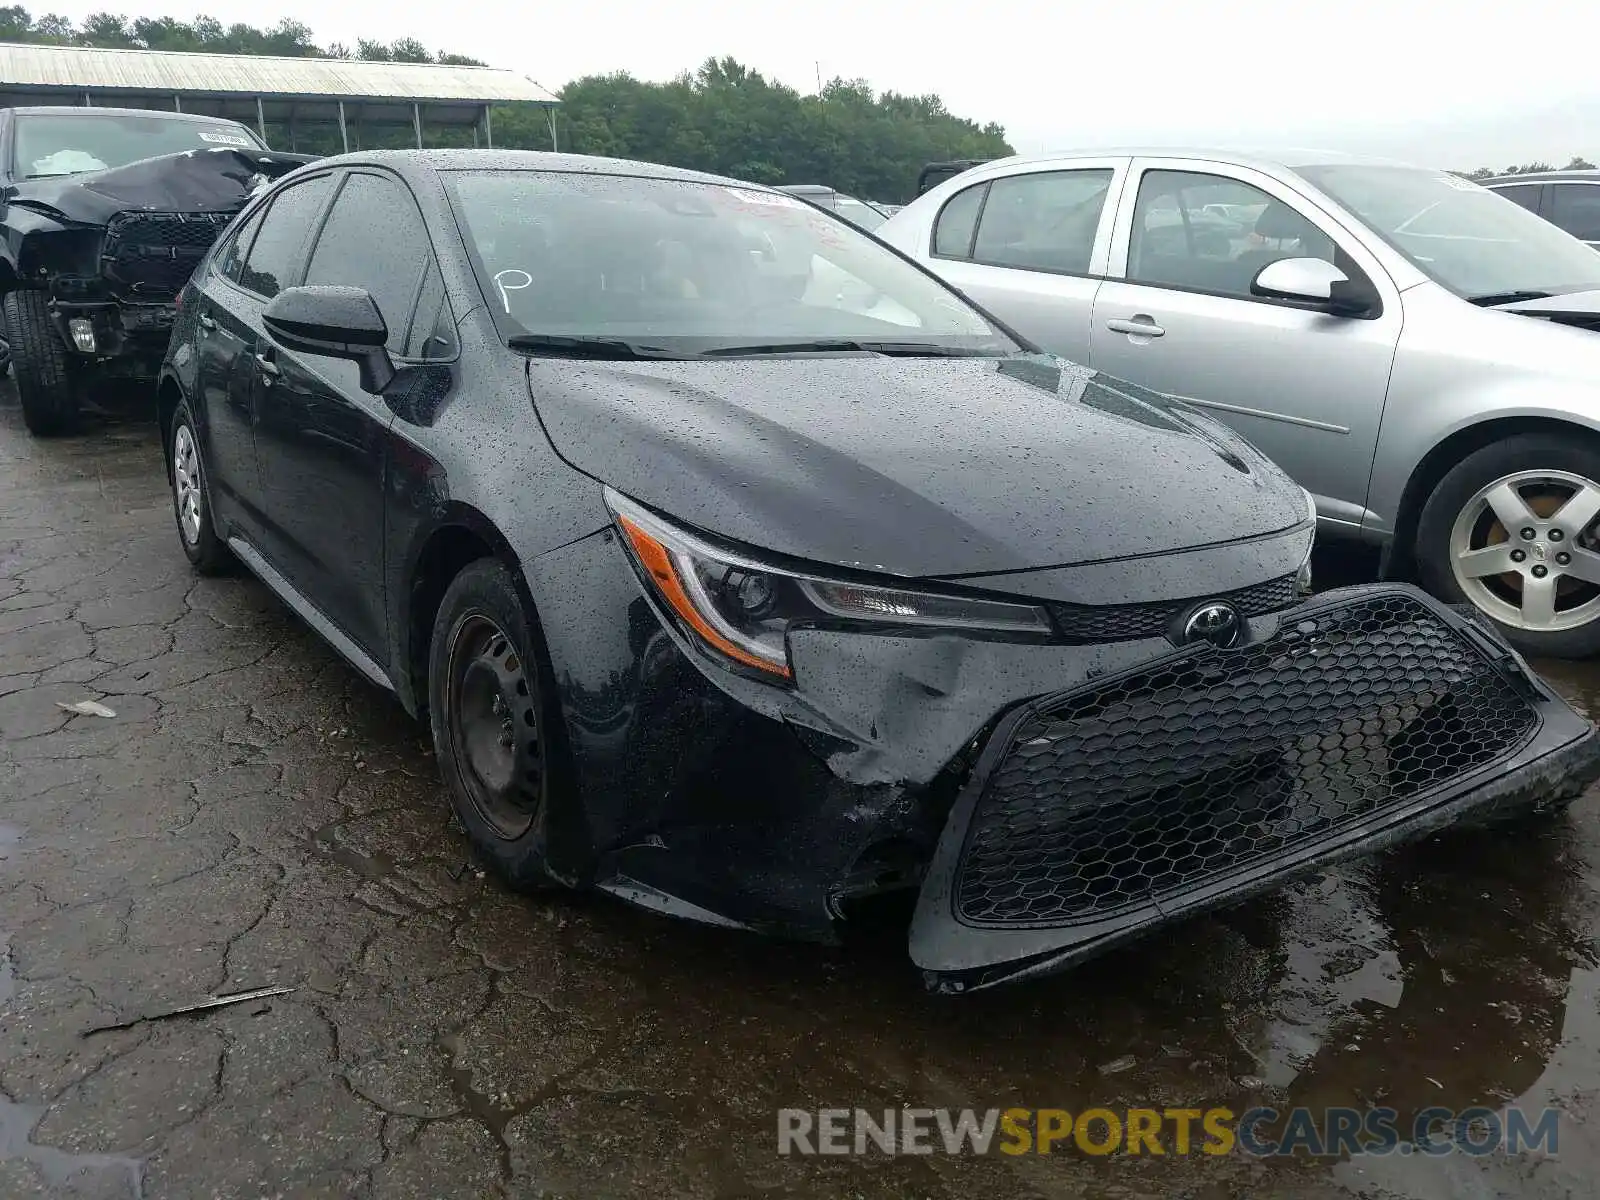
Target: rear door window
(230,259)
(1043,221)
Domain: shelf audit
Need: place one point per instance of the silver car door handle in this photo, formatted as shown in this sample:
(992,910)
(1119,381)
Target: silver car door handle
(1144,328)
(208,322)
(268,367)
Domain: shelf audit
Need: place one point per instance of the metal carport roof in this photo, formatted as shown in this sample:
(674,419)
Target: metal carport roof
(257,88)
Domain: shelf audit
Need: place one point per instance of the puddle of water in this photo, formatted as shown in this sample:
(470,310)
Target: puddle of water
(58,1168)
(1336,954)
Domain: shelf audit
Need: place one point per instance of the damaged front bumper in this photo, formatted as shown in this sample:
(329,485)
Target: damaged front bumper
(1371,717)
(1042,802)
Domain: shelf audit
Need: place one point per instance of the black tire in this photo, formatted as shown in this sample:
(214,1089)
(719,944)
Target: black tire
(488,685)
(1575,454)
(186,476)
(45,382)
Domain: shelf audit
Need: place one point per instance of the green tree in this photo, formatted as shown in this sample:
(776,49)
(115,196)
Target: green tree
(723,117)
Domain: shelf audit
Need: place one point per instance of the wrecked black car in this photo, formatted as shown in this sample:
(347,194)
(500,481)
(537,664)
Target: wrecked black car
(752,599)
(103,215)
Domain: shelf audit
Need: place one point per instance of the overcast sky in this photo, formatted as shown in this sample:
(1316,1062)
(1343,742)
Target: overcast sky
(1453,83)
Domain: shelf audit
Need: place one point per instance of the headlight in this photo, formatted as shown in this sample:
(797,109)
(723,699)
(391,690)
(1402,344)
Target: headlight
(739,609)
(1302,578)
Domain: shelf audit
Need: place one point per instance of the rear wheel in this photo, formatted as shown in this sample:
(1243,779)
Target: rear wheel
(492,720)
(1511,531)
(191,508)
(45,382)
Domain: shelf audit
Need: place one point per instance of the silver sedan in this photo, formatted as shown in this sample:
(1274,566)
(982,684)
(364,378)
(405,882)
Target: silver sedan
(1420,353)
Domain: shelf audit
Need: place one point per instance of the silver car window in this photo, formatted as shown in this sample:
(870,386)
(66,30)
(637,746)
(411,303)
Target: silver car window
(1042,221)
(1209,233)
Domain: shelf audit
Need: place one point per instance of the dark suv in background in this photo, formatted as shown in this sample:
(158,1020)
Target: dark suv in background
(1569,200)
(104,213)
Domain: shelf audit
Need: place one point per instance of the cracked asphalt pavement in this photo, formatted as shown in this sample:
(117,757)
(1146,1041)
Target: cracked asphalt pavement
(256,814)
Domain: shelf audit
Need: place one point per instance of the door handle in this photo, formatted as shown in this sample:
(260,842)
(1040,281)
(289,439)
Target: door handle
(1140,326)
(268,368)
(207,322)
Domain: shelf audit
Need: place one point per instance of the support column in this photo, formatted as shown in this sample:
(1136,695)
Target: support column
(550,115)
(488,126)
(177,102)
(261,119)
(344,134)
(416,121)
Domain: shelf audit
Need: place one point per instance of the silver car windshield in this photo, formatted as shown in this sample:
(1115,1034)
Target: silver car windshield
(859,213)
(69,143)
(695,266)
(1474,242)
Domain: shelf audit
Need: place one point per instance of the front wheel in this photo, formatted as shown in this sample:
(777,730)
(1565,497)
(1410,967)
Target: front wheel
(46,382)
(493,720)
(1511,531)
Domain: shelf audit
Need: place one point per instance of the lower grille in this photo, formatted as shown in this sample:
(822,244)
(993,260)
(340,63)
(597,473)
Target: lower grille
(1161,781)
(1127,622)
(149,256)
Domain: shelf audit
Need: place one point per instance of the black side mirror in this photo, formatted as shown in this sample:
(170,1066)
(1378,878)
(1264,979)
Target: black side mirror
(338,322)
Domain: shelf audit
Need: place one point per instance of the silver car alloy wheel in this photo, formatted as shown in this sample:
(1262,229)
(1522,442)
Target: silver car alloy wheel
(186,483)
(1523,552)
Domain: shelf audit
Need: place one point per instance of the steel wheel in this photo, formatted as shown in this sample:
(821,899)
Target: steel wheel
(493,727)
(1522,550)
(186,484)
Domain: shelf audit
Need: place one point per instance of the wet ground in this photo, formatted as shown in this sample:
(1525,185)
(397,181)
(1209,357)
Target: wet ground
(255,814)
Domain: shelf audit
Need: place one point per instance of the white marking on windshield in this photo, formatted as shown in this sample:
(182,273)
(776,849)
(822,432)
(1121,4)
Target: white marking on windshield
(503,287)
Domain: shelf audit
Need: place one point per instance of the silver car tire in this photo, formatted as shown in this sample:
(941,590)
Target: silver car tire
(1513,531)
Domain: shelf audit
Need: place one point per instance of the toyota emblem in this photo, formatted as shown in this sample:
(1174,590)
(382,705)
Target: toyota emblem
(1217,624)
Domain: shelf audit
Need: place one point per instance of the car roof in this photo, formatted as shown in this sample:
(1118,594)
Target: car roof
(423,161)
(100,111)
(1261,159)
(1542,177)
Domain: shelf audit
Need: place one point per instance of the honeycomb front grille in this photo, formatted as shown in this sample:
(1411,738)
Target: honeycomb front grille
(1129,622)
(149,256)
(1214,762)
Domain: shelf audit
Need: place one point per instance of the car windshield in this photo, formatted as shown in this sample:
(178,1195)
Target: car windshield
(71,142)
(690,267)
(858,212)
(1474,242)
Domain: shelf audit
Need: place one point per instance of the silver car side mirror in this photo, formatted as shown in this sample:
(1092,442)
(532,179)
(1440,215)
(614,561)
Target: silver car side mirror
(1298,279)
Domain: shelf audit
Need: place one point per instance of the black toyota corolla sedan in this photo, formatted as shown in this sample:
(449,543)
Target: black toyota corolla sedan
(745,571)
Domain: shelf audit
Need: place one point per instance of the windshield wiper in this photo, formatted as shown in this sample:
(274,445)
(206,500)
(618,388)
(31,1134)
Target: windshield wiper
(1494,299)
(835,345)
(584,346)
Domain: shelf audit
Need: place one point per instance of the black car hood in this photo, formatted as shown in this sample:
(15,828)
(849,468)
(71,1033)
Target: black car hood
(194,181)
(914,466)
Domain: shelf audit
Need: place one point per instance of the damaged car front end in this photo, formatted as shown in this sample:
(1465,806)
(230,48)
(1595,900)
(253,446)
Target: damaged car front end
(754,599)
(92,260)
(1047,777)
